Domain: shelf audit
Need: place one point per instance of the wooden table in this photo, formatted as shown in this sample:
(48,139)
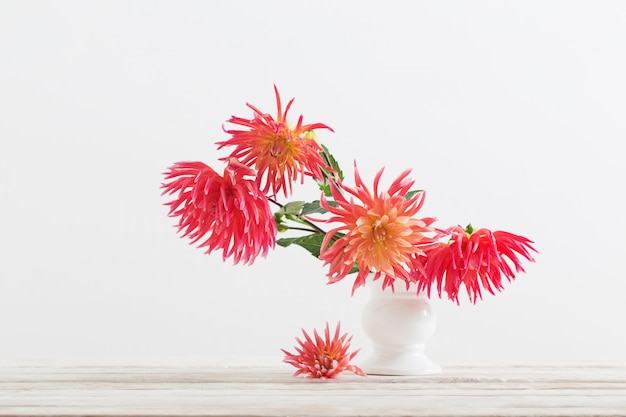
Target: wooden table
(524,390)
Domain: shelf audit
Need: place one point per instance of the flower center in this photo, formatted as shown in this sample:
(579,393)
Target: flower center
(325,364)
(379,232)
(280,144)
(278,147)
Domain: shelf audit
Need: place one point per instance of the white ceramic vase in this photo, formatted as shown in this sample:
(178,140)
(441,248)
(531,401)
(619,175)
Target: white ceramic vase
(399,324)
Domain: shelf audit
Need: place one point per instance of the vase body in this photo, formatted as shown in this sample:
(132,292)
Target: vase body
(398,323)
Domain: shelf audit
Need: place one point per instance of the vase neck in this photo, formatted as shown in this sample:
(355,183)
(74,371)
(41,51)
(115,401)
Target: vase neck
(399,290)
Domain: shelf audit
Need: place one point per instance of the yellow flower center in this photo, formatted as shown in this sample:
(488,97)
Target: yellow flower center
(381,241)
(379,232)
(278,147)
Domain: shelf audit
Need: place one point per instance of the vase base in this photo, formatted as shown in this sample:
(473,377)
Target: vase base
(400,364)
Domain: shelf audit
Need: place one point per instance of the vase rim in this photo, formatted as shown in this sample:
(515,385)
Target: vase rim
(399,288)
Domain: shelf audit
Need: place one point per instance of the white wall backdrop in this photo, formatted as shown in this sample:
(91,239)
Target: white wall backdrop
(511,114)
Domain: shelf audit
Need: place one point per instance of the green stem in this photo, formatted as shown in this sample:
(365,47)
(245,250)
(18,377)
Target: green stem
(301,219)
(303,229)
(271,200)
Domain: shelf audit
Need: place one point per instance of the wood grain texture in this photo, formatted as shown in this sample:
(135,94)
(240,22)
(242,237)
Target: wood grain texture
(524,390)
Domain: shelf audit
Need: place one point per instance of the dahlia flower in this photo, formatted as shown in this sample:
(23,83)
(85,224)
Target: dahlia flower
(475,259)
(278,152)
(226,212)
(377,231)
(323,358)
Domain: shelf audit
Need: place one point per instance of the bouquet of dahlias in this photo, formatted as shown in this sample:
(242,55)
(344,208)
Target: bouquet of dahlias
(352,229)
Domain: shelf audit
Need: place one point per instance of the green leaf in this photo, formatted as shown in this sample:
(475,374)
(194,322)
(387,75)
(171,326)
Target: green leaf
(330,159)
(325,187)
(293,207)
(411,193)
(313,207)
(329,176)
(311,243)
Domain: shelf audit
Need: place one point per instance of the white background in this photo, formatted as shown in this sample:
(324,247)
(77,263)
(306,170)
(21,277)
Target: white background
(511,114)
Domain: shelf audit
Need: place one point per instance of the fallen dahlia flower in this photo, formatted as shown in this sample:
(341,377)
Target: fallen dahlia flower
(475,259)
(323,358)
(221,212)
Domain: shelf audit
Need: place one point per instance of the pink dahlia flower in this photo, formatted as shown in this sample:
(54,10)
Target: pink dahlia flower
(221,212)
(376,230)
(278,152)
(323,358)
(475,259)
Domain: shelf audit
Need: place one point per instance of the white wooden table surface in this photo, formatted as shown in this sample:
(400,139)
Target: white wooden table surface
(524,390)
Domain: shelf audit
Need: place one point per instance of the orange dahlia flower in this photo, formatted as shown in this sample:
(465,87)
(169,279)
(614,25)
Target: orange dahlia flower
(323,358)
(378,231)
(278,152)
(229,212)
(475,259)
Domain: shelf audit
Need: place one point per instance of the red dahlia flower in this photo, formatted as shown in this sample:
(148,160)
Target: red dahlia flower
(230,211)
(323,358)
(378,232)
(474,259)
(279,153)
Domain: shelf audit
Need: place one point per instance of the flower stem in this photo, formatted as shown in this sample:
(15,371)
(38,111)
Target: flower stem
(303,229)
(301,219)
